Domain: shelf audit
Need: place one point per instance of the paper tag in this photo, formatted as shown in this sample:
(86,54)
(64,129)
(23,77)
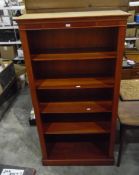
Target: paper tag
(12,172)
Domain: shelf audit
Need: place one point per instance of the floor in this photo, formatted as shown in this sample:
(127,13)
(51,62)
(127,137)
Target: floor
(19,146)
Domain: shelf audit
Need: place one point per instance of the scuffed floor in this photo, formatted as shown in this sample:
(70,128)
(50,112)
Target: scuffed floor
(19,146)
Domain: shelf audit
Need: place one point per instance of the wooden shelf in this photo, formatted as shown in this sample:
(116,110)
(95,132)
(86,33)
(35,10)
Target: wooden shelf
(76,107)
(77,153)
(77,128)
(74,56)
(73,83)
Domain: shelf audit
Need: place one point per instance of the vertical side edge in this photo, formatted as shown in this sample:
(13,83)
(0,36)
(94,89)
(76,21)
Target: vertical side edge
(118,71)
(28,64)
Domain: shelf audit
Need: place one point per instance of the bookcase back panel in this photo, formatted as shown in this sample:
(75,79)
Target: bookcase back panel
(82,117)
(64,69)
(77,146)
(69,40)
(77,94)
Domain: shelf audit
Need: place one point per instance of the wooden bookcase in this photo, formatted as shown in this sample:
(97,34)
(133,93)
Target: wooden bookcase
(74,66)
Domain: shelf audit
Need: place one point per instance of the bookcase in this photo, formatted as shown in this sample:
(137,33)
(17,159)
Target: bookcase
(73,61)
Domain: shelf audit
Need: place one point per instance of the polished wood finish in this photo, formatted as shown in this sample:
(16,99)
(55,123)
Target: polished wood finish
(77,128)
(77,153)
(73,83)
(76,107)
(131,73)
(74,64)
(28,63)
(74,56)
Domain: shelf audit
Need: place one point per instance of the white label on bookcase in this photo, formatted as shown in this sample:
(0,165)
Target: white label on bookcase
(68,25)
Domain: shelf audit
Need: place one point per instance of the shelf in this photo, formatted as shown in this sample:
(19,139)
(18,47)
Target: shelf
(73,83)
(77,128)
(13,8)
(77,153)
(133,23)
(131,38)
(10,43)
(74,56)
(8,27)
(134,4)
(18,59)
(76,107)
(131,51)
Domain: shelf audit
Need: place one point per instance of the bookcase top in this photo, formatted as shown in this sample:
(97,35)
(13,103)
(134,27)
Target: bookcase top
(80,14)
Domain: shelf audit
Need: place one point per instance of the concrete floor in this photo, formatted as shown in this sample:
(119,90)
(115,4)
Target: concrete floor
(19,146)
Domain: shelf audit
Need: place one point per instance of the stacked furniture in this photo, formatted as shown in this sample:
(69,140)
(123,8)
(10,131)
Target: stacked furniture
(74,62)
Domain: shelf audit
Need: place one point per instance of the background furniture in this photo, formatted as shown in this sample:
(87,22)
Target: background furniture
(129,119)
(74,65)
(131,73)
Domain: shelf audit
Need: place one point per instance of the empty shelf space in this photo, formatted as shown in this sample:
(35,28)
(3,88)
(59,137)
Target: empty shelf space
(77,153)
(73,83)
(77,149)
(79,117)
(76,107)
(74,56)
(74,68)
(77,127)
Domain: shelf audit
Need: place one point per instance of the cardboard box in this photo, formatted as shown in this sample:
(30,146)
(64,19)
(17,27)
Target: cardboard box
(38,6)
(7,12)
(131,18)
(6,20)
(130,32)
(137,44)
(19,69)
(137,32)
(8,52)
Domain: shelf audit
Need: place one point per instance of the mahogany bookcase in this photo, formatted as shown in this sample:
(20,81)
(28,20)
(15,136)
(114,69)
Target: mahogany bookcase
(73,62)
